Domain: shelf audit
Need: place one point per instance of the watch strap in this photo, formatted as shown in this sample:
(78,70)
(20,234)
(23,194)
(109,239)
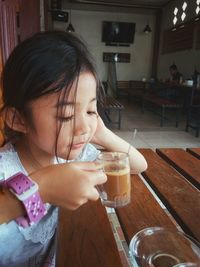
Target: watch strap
(26,190)
(35,211)
(19,183)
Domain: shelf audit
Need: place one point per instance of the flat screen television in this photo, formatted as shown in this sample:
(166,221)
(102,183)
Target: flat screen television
(118,32)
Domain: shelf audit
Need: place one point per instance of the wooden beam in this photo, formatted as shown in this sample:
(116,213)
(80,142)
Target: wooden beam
(156,46)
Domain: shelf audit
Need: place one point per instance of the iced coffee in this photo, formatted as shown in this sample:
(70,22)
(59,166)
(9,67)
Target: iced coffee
(116,191)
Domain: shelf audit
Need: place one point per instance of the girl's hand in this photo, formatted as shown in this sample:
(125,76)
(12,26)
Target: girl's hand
(70,185)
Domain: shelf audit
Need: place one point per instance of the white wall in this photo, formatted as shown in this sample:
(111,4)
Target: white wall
(88,24)
(186,60)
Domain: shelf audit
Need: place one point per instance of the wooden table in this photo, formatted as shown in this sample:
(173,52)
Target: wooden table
(194,151)
(85,236)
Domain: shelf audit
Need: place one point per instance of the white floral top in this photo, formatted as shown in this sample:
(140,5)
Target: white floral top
(33,246)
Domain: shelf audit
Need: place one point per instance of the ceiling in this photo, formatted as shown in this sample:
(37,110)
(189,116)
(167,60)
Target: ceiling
(147,4)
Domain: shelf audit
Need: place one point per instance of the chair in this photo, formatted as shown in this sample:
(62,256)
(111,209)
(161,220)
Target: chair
(161,97)
(106,106)
(137,90)
(122,88)
(193,112)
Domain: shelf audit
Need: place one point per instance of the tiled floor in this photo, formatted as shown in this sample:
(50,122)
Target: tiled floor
(149,135)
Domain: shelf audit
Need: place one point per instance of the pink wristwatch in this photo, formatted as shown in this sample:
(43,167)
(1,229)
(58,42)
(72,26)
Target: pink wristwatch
(26,190)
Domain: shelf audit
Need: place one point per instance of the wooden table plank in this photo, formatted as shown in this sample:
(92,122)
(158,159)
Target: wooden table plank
(186,164)
(143,211)
(180,197)
(85,238)
(194,151)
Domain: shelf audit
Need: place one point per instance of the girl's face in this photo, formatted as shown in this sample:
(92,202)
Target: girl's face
(77,119)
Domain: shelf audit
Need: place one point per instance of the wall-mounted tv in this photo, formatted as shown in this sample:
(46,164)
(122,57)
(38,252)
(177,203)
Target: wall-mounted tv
(118,32)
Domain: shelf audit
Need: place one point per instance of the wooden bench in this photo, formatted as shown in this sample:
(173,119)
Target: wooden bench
(194,151)
(109,104)
(131,89)
(137,89)
(122,87)
(87,238)
(163,104)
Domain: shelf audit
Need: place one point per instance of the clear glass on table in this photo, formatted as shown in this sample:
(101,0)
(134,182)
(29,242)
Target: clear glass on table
(161,247)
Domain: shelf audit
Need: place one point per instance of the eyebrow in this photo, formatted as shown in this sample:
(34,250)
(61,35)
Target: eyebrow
(65,103)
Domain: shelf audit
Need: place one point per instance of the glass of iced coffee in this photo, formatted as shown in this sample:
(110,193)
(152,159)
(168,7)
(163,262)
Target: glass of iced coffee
(116,192)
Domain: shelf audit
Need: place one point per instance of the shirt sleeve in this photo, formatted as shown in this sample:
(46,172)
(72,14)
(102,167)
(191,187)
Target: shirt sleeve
(89,153)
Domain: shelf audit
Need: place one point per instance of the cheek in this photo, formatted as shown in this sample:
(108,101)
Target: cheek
(65,135)
(44,130)
(93,124)
(45,137)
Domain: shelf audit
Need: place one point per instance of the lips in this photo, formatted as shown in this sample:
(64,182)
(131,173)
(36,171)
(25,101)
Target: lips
(77,146)
(80,142)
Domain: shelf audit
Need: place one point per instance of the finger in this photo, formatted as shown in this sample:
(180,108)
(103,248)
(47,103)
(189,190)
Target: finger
(90,166)
(76,205)
(98,178)
(94,195)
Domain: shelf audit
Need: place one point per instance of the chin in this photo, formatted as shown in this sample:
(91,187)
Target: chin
(74,154)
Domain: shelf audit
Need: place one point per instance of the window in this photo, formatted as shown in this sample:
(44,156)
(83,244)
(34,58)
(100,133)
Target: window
(175,16)
(198,7)
(183,15)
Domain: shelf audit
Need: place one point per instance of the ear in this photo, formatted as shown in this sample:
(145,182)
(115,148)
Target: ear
(14,120)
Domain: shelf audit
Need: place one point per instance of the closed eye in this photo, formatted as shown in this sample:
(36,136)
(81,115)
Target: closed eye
(92,112)
(66,119)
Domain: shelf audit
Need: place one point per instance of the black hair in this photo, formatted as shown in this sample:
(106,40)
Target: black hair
(173,67)
(45,63)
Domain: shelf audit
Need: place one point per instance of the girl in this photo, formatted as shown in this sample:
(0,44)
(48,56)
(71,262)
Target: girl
(50,91)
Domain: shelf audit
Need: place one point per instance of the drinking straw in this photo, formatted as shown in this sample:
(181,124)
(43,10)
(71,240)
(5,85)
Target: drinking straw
(133,138)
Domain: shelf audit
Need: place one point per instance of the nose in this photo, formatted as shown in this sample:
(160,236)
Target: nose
(81,125)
